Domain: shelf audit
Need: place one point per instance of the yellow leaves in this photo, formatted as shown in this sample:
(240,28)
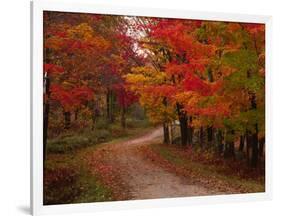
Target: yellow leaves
(155,109)
(160,77)
(189,98)
(82,31)
(147,75)
(117,59)
(100,44)
(143,70)
(198,122)
(80,36)
(136,78)
(150,84)
(85,33)
(142,80)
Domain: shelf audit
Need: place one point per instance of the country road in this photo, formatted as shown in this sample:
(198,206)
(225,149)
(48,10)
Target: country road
(140,176)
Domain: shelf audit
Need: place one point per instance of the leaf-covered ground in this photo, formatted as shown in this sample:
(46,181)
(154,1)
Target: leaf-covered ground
(67,180)
(141,167)
(204,168)
(69,177)
(131,175)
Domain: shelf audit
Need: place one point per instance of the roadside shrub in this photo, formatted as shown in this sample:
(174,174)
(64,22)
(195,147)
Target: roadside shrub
(68,143)
(101,124)
(134,123)
(103,132)
(102,135)
(58,185)
(61,145)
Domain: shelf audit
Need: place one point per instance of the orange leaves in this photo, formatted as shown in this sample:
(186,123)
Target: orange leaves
(85,38)
(233,27)
(202,97)
(79,38)
(164,90)
(72,45)
(201,51)
(55,43)
(161,63)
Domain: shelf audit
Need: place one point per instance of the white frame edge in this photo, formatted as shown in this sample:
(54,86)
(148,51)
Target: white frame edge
(84,6)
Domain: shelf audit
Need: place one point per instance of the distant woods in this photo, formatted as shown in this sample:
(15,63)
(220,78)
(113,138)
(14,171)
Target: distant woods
(202,81)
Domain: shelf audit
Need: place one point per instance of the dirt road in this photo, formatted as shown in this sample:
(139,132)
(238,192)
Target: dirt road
(141,177)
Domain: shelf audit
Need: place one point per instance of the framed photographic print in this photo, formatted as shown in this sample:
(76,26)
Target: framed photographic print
(134,105)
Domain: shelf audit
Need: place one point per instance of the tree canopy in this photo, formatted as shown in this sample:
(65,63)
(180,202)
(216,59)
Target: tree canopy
(202,75)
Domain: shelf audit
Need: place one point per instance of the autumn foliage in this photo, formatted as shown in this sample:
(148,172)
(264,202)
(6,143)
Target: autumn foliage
(204,78)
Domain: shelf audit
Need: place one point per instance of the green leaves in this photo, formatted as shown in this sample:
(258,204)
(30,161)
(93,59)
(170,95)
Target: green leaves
(245,121)
(255,83)
(243,60)
(246,75)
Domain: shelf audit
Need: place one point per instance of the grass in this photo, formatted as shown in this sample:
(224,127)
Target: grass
(67,178)
(208,172)
(71,141)
(92,189)
(64,144)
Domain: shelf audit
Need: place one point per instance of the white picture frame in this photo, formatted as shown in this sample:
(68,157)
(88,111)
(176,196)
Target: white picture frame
(37,8)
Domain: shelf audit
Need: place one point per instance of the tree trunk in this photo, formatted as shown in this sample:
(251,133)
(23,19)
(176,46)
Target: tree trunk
(210,134)
(76,114)
(46,104)
(261,146)
(67,119)
(190,132)
(46,117)
(183,124)
(254,136)
(166,133)
(108,105)
(229,151)
(112,119)
(219,142)
(232,149)
(190,135)
(184,130)
(123,117)
(166,124)
(255,151)
(172,132)
(241,145)
(248,147)
(94,119)
(201,137)
(95,113)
